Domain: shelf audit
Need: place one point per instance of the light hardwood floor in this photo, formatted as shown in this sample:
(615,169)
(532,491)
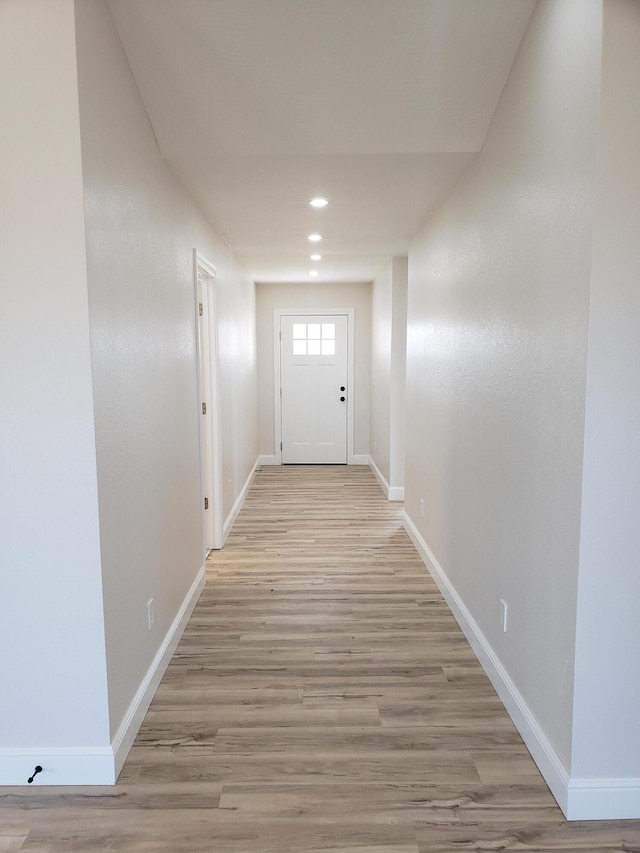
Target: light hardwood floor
(322,699)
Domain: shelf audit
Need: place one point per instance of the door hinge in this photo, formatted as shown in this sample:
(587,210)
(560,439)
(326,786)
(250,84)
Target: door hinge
(280,445)
(200,308)
(281,392)
(204,408)
(280,335)
(206,503)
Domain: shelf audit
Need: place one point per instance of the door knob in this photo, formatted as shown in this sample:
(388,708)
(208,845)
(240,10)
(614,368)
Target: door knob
(342,399)
(342,387)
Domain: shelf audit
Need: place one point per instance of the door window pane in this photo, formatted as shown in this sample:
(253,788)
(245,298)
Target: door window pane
(314,338)
(328,331)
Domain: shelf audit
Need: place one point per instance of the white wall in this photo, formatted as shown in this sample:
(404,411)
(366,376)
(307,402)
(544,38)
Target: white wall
(398,375)
(496,363)
(605,740)
(52,664)
(312,297)
(379,409)
(141,230)
(388,367)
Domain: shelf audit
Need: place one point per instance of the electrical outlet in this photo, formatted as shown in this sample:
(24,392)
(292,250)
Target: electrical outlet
(151,615)
(503,615)
(421,507)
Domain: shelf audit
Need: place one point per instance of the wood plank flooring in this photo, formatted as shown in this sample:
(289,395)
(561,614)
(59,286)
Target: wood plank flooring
(322,700)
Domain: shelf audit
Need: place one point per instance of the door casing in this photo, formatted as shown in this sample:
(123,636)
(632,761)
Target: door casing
(205,276)
(277,405)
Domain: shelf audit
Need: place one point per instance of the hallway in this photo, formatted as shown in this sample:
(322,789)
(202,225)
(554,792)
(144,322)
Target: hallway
(322,699)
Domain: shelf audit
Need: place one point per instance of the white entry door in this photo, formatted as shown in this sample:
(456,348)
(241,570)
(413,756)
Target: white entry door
(313,375)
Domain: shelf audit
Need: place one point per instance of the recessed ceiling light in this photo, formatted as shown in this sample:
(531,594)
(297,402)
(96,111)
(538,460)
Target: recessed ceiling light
(318,202)
(313,272)
(315,238)
(316,257)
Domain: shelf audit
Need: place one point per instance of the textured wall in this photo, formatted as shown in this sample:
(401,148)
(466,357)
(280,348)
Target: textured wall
(398,375)
(52,663)
(379,407)
(606,742)
(388,363)
(496,362)
(141,231)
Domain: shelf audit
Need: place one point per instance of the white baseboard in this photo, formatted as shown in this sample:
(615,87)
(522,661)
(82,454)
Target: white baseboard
(100,765)
(268,460)
(603,799)
(61,766)
(358,459)
(544,755)
(228,524)
(128,728)
(393,493)
(579,799)
(379,476)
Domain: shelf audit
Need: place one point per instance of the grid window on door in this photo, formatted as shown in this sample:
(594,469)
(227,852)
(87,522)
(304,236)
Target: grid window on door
(314,338)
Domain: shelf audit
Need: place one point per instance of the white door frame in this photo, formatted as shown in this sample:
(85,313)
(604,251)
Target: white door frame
(277,382)
(208,393)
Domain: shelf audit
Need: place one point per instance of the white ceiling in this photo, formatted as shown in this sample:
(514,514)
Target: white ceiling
(378,105)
